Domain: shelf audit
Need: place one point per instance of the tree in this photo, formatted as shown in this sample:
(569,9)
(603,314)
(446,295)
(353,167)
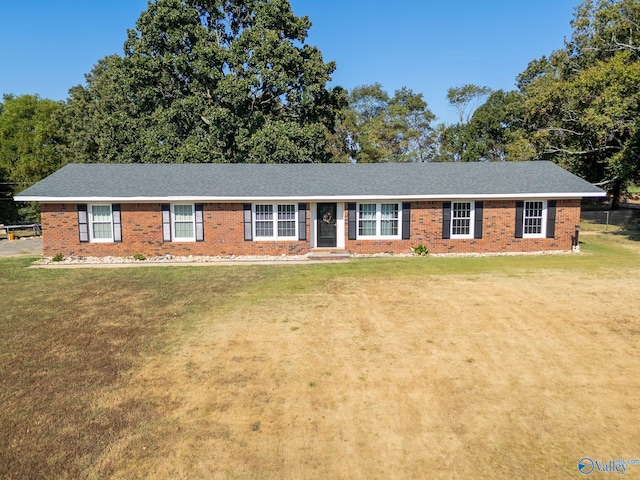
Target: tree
(585,122)
(30,146)
(582,102)
(209,81)
(496,131)
(452,141)
(456,138)
(602,28)
(466,99)
(380,128)
(411,112)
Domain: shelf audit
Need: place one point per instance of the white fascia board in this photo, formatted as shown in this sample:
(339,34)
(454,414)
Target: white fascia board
(296,198)
(521,196)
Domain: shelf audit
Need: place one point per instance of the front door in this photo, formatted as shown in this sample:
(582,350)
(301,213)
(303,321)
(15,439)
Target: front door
(327,231)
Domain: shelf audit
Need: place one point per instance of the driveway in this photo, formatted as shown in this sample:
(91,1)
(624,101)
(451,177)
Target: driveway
(22,247)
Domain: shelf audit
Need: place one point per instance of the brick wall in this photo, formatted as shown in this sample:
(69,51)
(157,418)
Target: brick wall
(224,233)
(142,233)
(498,232)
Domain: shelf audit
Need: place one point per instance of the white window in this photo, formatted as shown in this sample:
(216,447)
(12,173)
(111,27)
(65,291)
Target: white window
(367,224)
(462,219)
(534,219)
(379,220)
(275,221)
(286,221)
(183,222)
(389,214)
(264,221)
(101,223)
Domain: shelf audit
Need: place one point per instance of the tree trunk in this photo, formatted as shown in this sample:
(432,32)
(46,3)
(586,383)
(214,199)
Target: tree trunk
(615,194)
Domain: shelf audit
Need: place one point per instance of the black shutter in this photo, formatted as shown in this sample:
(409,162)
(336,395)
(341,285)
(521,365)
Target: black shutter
(519,218)
(406,220)
(446,220)
(248,229)
(302,221)
(551,218)
(117,224)
(477,228)
(83,222)
(199,208)
(166,222)
(351,208)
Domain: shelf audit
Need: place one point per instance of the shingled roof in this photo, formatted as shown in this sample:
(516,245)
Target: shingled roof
(333,181)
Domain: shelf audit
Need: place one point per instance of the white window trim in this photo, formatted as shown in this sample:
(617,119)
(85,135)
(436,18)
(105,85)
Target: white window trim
(90,221)
(274,220)
(378,236)
(543,229)
(191,238)
(472,219)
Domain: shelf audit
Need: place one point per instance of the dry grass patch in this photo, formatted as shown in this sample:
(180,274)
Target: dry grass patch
(409,368)
(490,376)
(68,339)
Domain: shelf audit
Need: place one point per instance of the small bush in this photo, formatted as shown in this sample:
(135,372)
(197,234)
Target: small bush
(58,257)
(420,249)
(139,257)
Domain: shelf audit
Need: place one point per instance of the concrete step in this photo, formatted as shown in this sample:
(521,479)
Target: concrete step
(325,254)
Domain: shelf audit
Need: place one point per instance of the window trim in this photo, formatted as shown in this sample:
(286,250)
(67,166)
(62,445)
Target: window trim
(472,219)
(378,220)
(543,217)
(275,219)
(191,238)
(91,223)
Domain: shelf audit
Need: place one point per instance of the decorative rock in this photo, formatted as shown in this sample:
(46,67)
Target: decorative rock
(171,259)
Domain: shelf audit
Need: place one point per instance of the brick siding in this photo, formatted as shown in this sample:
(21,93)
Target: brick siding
(224,233)
(498,231)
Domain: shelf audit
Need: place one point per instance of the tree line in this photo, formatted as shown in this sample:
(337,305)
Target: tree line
(235,81)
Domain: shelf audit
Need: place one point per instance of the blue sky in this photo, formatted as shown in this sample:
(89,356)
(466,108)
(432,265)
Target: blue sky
(47,46)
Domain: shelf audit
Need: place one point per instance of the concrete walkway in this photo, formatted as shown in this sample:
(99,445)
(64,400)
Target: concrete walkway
(22,247)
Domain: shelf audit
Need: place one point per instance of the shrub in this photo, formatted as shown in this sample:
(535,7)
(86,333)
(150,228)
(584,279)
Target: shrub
(420,249)
(58,257)
(139,257)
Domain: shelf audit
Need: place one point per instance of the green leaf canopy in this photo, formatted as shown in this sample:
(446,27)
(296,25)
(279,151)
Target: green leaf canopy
(31,146)
(380,128)
(209,81)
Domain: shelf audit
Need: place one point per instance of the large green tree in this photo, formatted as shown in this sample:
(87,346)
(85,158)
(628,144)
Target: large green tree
(209,81)
(30,147)
(586,122)
(496,131)
(602,28)
(583,101)
(380,128)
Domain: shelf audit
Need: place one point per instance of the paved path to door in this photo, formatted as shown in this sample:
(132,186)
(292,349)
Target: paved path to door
(22,247)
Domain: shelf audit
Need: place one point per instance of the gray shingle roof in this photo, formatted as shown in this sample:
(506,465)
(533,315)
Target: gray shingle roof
(155,182)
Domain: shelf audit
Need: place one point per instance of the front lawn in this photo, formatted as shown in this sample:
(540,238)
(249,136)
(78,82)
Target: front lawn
(490,367)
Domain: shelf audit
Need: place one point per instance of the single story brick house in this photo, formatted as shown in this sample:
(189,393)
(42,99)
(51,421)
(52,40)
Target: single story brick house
(276,209)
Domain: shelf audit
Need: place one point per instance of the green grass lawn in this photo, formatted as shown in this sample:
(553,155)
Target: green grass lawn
(73,344)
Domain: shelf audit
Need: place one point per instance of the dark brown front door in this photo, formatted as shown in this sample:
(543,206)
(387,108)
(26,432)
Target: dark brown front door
(327,232)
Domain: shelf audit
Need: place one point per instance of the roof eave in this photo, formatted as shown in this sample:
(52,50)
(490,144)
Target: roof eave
(305,198)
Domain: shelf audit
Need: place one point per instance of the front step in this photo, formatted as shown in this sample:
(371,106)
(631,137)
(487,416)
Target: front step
(328,254)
